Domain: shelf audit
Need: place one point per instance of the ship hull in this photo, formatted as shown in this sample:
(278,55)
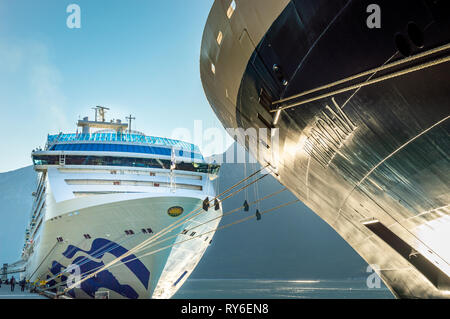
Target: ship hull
(373,161)
(156,275)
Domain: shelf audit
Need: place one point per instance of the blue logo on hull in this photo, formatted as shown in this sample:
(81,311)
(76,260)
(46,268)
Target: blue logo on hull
(104,279)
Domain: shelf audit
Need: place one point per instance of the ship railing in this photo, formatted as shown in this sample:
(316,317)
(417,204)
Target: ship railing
(49,294)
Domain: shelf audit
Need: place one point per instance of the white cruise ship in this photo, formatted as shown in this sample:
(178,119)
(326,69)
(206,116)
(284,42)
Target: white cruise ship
(107,189)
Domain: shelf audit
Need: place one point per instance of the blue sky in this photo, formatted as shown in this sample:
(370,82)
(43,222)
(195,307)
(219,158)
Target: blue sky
(138,56)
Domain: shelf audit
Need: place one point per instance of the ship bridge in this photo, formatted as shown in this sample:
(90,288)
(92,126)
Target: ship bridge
(122,142)
(115,144)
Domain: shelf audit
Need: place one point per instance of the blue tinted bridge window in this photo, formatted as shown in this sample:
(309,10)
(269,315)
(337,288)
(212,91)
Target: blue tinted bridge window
(101,147)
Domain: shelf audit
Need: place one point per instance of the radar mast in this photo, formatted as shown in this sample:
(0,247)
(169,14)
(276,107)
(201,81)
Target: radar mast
(100,122)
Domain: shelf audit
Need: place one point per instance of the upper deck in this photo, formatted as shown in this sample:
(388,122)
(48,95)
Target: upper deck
(122,138)
(123,143)
(116,145)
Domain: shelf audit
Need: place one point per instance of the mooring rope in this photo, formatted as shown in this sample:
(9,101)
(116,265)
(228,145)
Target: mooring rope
(368,72)
(174,225)
(87,275)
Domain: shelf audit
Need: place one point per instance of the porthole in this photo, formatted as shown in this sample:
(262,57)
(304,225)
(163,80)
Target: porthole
(415,34)
(231,9)
(402,44)
(219,37)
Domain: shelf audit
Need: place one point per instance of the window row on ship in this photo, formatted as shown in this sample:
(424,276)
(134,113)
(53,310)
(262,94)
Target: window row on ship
(40,190)
(130,183)
(132,172)
(125,148)
(142,162)
(119,137)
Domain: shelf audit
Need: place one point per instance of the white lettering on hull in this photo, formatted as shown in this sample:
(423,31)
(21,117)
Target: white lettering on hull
(331,129)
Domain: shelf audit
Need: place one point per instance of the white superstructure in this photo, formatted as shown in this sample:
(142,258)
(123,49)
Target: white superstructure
(102,193)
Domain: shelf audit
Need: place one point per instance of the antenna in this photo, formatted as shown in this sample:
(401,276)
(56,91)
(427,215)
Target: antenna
(100,122)
(130,118)
(101,111)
